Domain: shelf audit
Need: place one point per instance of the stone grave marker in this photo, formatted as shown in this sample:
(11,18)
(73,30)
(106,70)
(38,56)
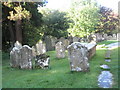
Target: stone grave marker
(26,57)
(60,50)
(48,43)
(40,48)
(21,56)
(77,54)
(42,61)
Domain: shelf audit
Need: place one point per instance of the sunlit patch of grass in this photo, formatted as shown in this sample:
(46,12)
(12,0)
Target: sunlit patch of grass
(106,42)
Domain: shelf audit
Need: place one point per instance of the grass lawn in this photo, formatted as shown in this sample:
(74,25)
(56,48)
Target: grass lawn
(107,42)
(59,76)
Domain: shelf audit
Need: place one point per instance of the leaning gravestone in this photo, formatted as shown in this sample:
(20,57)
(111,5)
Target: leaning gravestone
(60,50)
(21,56)
(42,61)
(77,54)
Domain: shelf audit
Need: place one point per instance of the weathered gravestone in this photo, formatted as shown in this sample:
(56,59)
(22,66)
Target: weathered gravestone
(40,48)
(26,57)
(60,50)
(15,57)
(76,39)
(48,43)
(21,57)
(34,52)
(105,36)
(114,37)
(77,54)
(66,43)
(54,40)
(70,38)
(42,61)
(118,36)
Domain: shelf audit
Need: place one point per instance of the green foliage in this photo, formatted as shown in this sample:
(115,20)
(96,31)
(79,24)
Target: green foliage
(84,17)
(108,21)
(55,23)
(31,34)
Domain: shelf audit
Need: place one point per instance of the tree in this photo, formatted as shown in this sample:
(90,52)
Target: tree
(84,17)
(55,23)
(15,18)
(108,21)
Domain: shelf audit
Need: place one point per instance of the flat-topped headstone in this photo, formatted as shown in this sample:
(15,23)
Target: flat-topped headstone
(77,54)
(91,49)
(60,50)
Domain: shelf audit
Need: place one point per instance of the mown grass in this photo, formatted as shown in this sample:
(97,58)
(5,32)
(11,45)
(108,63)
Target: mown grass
(107,42)
(59,75)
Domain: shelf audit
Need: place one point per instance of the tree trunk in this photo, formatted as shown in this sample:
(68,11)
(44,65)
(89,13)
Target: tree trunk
(18,31)
(12,35)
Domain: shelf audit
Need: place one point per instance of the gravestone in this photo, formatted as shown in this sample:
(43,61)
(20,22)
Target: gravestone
(34,51)
(15,57)
(60,50)
(114,37)
(62,39)
(76,39)
(109,37)
(18,45)
(40,48)
(66,43)
(48,43)
(118,36)
(26,57)
(21,57)
(42,61)
(105,36)
(70,38)
(53,40)
(77,54)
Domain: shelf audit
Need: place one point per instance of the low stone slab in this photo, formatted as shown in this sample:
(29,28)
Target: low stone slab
(105,67)
(91,49)
(108,60)
(105,79)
